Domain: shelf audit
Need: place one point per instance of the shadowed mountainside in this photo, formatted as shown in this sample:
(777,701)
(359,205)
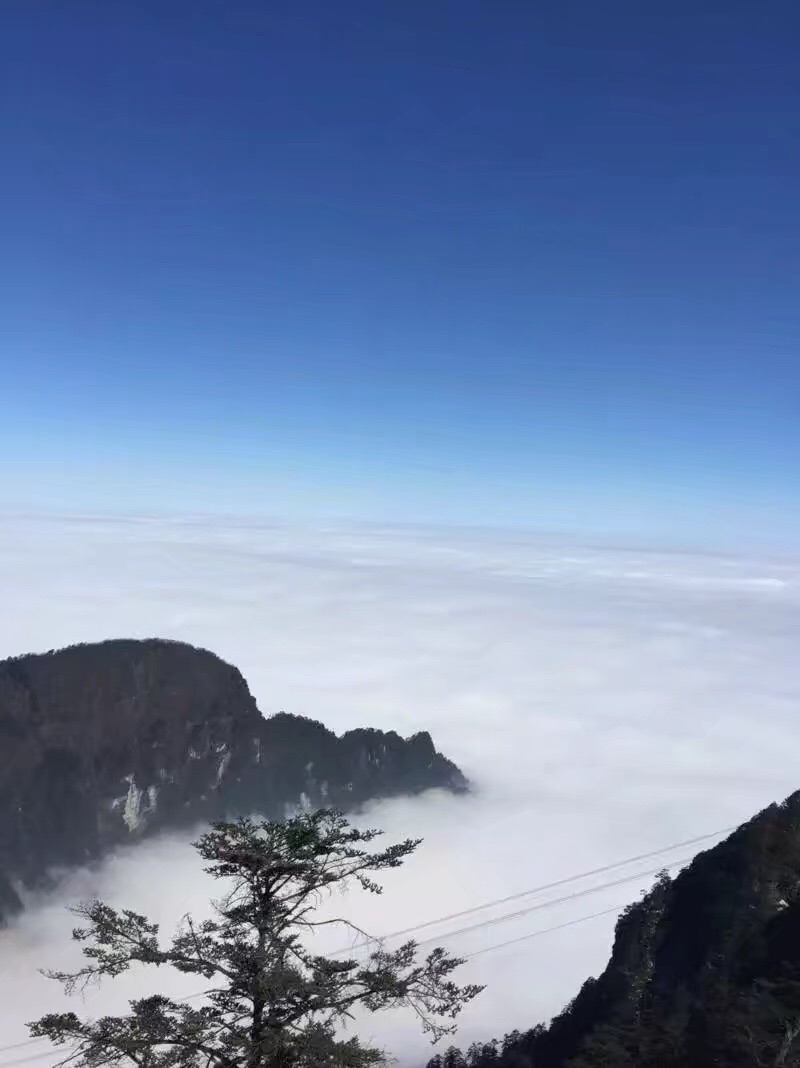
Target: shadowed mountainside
(705,970)
(103,742)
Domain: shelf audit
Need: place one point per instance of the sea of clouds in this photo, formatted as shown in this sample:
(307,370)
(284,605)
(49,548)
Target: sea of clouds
(605,701)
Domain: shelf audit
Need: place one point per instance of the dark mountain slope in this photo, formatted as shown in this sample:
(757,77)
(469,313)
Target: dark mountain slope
(102,742)
(704,971)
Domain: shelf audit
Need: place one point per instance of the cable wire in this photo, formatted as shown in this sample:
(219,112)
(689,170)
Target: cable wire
(545,930)
(549,904)
(537,889)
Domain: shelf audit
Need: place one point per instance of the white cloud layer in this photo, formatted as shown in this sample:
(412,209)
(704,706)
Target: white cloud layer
(605,701)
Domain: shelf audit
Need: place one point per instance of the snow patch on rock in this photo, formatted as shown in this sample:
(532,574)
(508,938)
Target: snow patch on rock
(223,766)
(132,808)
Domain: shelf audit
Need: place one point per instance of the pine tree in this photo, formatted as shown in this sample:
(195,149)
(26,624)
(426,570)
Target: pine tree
(453,1058)
(269,1001)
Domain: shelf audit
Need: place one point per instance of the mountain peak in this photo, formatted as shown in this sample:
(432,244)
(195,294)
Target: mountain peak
(102,742)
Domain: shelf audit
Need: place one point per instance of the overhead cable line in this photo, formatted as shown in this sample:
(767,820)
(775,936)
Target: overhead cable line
(537,889)
(506,916)
(545,930)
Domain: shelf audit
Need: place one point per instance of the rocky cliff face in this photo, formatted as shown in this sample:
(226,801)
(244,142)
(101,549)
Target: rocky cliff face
(99,743)
(705,970)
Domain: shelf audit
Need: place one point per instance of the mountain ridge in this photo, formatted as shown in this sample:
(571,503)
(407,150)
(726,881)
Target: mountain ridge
(103,742)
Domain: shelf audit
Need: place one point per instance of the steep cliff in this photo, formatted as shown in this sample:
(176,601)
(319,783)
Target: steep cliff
(705,970)
(102,742)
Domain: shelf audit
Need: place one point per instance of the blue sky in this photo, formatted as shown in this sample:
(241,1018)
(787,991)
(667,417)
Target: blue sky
(524,263)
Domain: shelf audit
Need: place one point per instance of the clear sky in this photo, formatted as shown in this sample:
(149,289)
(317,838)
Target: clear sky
(528,263)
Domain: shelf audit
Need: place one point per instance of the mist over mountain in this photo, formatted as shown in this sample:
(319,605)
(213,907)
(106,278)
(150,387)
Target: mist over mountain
(605,701)
(104,742)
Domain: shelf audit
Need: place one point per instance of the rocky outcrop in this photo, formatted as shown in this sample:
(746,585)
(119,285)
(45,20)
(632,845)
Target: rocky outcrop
(100,743)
